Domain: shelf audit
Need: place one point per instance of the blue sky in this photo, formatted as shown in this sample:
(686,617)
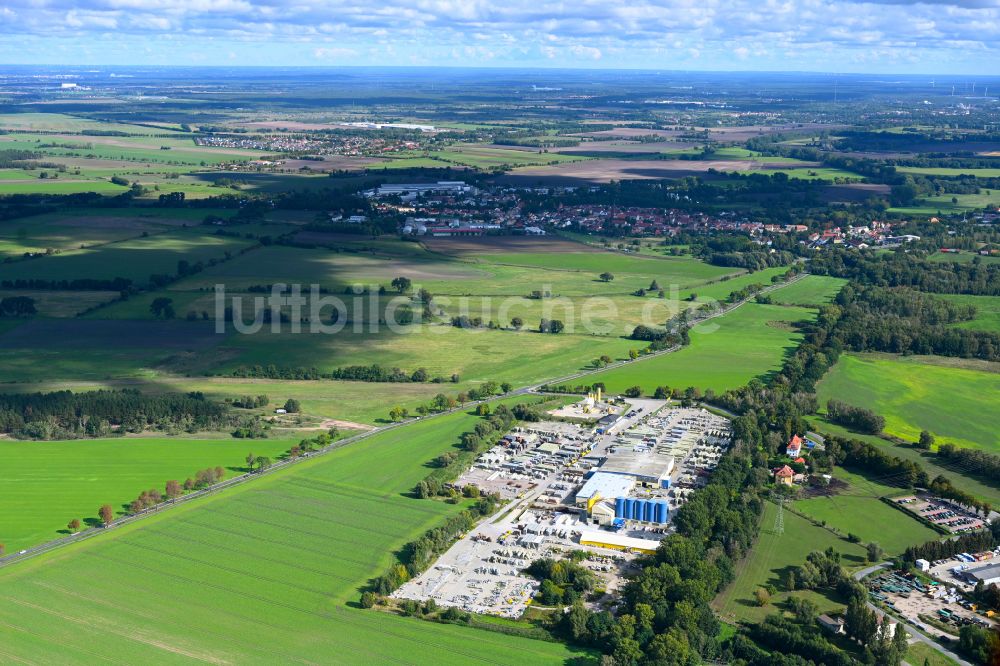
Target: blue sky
(938,36)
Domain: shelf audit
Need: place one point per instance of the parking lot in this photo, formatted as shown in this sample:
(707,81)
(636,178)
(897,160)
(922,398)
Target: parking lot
(942,513)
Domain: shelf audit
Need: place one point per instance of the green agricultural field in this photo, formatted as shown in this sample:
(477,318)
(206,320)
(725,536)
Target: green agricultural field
(157,150)
(49,483)
(858,510)
(62,303)
(724,353)
(475,355)
(953,398)
(811,290)
(82,349)
(718,289)
(68,185)
(809,173)
(58,122)
(771,558)
(445,275)
(344,404)
(987,311)
(964,257)
(944,171)
(273,564)
(681,269)
(943,204)
(135,258)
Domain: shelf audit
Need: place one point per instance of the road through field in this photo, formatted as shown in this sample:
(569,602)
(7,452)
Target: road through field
(243,478)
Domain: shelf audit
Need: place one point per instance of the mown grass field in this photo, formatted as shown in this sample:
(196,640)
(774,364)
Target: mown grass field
(41,349)
(273,565)
(811,290)
(952,398)
(49,483)
(924,655)
(771,558)
(858,510)
(724,353)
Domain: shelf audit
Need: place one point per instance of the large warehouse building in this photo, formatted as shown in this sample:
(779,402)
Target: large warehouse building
(603,486)
(990,575)
(646,465)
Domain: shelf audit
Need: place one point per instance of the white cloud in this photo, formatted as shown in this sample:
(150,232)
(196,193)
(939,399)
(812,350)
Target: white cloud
(739,33)
(581,51)
(333,53)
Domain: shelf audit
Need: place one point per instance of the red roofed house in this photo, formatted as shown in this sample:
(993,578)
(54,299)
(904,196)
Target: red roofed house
(800,460)
(794,447)
(784,475)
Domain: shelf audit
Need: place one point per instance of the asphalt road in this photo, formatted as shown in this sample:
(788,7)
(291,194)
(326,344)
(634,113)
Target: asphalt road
(94,531)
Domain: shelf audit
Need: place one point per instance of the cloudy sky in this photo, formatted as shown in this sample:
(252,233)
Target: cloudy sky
(936,36)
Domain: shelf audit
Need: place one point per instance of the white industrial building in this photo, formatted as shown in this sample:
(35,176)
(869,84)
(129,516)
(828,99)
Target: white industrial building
(990,575)
(603,486)
(450,187)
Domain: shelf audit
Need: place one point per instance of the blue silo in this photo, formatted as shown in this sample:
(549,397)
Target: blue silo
(629,509)
(620,507)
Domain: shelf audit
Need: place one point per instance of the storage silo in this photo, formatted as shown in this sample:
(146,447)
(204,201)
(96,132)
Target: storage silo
(620,508)
(661,512)
(629,509)
(647,511)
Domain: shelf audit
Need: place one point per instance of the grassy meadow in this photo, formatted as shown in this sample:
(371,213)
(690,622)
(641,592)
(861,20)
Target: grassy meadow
(724,353)
(987,311)
(857,510)
(812,290)
(952,398)
(771,558)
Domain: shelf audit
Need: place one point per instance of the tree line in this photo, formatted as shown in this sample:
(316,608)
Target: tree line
(63,414)
(359,373)
(905,269)
(855,418)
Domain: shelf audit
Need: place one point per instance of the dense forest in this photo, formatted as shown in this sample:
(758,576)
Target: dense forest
(63,414)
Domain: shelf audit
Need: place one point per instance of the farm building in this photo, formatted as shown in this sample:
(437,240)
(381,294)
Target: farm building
(794,449)
(784,475)
(602,539)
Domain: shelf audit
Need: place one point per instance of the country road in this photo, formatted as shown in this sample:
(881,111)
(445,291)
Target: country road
(282,464)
